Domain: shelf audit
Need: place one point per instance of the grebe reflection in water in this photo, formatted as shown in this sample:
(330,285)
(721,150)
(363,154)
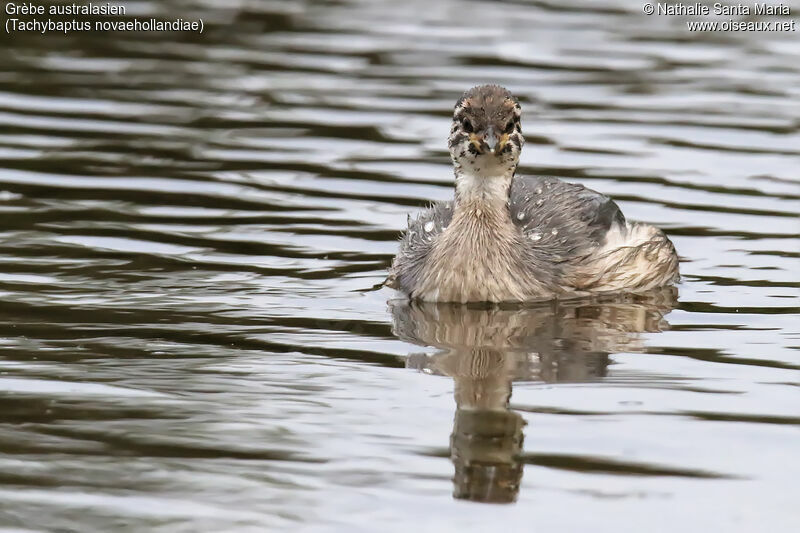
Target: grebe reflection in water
(485,349)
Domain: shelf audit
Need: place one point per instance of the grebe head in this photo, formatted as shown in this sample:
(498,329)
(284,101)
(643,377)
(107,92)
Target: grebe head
(486,135)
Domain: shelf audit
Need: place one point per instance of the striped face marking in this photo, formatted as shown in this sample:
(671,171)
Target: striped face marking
(486,133)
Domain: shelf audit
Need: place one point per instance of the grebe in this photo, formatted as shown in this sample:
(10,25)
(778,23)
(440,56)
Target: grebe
(510,238)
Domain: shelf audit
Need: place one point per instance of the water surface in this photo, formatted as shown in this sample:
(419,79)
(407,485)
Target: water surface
(189,226)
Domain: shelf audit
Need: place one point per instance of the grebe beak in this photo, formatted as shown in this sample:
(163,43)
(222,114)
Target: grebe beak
(490,139)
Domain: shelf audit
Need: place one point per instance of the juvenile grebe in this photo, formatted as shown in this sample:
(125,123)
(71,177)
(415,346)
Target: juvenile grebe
(509,238)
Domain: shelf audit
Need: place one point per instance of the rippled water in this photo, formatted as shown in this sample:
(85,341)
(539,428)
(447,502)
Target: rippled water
(190,226)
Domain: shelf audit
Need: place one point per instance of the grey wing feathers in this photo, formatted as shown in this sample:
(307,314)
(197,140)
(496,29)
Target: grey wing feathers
(415,244)
(564,220)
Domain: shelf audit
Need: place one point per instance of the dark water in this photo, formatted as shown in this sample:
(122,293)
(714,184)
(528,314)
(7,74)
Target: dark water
(189,224)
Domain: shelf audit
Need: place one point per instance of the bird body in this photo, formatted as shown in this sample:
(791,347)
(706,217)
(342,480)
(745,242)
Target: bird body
(510,238)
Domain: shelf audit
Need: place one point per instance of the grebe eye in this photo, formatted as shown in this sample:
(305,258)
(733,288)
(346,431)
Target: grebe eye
(467,125)
(510,126)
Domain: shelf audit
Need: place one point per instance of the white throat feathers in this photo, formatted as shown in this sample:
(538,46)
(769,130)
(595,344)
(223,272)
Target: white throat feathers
(474,188)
